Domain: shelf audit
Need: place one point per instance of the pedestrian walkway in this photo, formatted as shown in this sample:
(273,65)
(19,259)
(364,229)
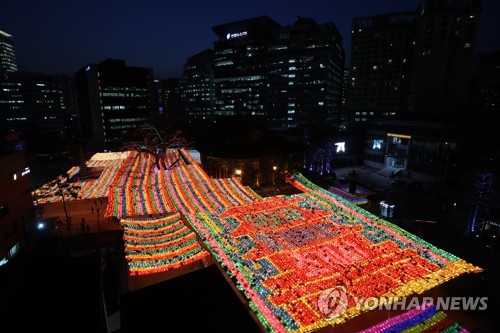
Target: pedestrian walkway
(389,171)
(90,210)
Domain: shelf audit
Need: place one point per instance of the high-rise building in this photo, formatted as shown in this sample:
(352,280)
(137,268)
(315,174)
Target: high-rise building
(288,76)
(8,62)
(486,93)
(197,92)
(443,56)
(240,71)
(305,64)
(413,65)
(345,87)
(113,100)
(381,53)
(41,106)
(169,101)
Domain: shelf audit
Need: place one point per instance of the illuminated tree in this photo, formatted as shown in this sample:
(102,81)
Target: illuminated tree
(482,197)
(156,143)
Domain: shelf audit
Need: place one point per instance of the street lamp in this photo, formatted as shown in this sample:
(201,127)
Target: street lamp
(274,173)
(68,221)
(97,211)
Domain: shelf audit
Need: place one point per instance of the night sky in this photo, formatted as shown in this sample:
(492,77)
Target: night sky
(60,37)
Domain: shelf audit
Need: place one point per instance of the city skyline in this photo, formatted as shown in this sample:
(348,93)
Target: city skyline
(51,39)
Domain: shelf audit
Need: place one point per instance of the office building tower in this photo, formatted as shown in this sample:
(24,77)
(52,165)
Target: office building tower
(113,101)
(346,83)
(197,86)
(485,97)
(443,56)
(8,62)
(169,101)
(381,54)
(287,76)
(240,71)
(413,65)
(305,64)
(41,106)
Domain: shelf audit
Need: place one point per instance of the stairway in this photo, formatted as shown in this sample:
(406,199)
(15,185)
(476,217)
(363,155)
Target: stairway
(389,170)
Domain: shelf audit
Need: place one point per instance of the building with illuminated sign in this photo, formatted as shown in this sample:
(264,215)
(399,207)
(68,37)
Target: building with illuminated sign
(290,76)
(240,71)
(428,150)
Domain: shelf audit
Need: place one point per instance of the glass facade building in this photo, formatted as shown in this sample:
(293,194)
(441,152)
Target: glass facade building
(288,76)
(113,100)
(8,62)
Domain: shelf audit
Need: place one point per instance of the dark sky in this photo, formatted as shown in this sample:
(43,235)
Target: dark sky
(60,37)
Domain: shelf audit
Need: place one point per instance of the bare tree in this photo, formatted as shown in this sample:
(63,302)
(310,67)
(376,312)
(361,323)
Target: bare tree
(157,143)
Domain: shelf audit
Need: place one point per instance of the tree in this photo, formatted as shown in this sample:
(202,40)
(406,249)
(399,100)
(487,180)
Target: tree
(482,193)
(157,143)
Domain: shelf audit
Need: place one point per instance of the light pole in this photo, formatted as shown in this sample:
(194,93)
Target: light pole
(97,211)
(68,221)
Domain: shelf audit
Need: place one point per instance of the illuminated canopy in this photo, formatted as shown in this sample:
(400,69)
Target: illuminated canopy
(282,251)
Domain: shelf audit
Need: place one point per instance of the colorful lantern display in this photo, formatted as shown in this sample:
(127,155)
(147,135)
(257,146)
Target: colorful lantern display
(154,245)
(283,252)
(425,318)
(359,198)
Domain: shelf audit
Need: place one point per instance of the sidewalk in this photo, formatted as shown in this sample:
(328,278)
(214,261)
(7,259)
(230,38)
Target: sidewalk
(91,210)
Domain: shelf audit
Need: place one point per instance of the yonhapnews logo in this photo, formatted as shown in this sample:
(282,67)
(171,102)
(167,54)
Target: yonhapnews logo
(334,302)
